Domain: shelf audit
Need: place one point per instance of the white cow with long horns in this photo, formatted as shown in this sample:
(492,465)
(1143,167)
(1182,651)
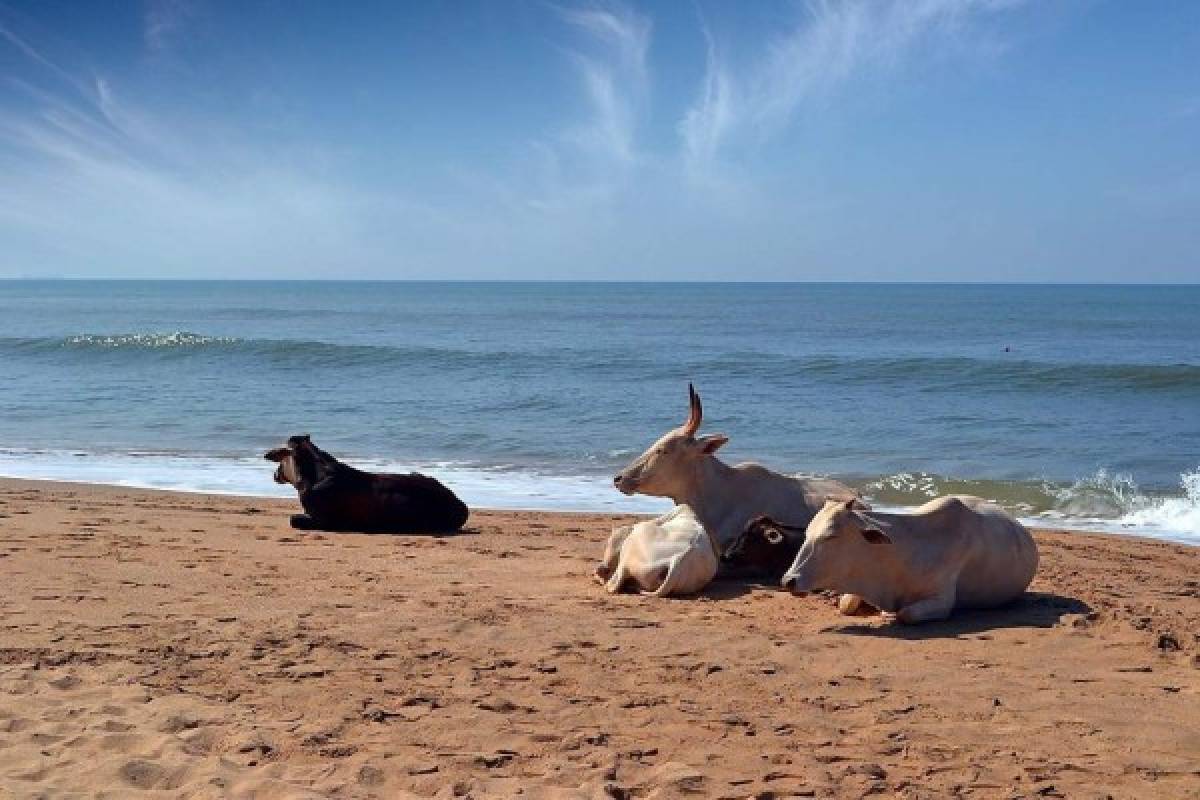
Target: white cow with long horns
(684,468)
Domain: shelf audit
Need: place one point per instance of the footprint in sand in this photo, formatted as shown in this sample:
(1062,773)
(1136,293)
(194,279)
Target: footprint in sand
(147,775)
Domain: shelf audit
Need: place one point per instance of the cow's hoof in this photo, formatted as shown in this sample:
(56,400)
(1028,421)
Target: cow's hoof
(602,574)
(854,606)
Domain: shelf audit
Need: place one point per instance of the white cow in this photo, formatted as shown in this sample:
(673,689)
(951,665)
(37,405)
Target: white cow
(671,555)
(952,552)
(683,467)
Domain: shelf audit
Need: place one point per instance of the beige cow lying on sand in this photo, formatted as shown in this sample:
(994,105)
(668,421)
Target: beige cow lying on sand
(952,552)
(671,555)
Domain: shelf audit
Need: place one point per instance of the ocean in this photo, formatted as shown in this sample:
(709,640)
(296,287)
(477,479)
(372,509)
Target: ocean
(1073,406)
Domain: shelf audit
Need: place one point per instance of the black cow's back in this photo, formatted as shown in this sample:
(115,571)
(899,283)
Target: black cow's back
(349,499)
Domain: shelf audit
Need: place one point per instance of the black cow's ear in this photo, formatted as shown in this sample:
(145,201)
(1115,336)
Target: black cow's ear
(876,536)
(278,454)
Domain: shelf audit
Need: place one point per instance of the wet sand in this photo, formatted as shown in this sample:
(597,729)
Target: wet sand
(173,645)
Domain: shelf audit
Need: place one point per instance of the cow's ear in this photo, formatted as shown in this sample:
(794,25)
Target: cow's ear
(875,536)
(773,535)
(712,443)
(278,454)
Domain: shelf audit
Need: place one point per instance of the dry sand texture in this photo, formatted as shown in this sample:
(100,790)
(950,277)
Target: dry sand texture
(170,645)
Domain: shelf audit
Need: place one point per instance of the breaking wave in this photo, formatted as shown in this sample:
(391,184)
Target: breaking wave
(927,372)
(1176,513)
(148,341)
(280,352)
(1101,501)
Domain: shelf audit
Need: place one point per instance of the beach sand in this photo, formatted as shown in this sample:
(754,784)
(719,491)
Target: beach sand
(174,645)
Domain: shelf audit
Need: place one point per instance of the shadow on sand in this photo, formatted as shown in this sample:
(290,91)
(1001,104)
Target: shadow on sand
(732,588)
(1032,610)
(467,531)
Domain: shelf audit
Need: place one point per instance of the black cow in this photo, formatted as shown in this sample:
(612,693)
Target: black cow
(337,497)
(764,549)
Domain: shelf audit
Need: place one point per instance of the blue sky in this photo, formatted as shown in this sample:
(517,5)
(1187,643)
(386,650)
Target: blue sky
(973,140)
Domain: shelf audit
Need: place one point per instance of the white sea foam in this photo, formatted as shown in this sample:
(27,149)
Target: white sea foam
(1103,502)
(1180,515)
(146,340)
(1114,502)
(481,487)
(1101,494)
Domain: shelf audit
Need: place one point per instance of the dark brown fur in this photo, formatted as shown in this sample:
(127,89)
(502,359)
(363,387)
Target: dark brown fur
(338,497)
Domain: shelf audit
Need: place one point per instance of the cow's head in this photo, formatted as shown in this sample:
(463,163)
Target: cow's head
(764,543)
(668,467)
(298,461)
(837,552)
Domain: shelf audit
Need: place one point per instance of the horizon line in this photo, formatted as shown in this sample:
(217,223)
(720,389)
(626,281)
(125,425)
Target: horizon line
(595,281)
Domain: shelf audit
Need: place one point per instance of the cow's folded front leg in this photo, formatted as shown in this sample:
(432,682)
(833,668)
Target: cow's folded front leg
(304,522)
(617,580)
(930,608)
(612,553)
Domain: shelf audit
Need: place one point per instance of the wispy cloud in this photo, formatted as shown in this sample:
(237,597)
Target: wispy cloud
(36,56)
(613,72)
(93,177)
(163,22)
(829,43)
(160,172)
(706,124)
(573,176)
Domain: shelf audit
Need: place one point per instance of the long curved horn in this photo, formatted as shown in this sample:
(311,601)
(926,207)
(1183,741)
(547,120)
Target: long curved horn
(695,413)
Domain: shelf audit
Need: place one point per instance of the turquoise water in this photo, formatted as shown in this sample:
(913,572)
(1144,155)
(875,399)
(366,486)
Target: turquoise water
(1076,403)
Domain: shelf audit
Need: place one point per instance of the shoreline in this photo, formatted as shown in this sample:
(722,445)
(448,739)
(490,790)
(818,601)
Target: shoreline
(637,505)
(197,645)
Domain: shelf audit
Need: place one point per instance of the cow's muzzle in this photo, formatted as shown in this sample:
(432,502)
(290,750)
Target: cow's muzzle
(624,484)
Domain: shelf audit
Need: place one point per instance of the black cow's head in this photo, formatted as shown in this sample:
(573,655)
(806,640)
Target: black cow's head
(765,544)
(300,462)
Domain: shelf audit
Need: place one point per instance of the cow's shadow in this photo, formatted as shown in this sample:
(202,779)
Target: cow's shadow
(1032,610)
(466,531)
(723,588)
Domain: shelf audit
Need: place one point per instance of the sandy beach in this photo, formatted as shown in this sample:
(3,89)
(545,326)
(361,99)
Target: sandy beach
(173,645)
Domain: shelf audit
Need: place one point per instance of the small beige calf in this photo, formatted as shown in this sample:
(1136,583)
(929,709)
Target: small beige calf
(671,555)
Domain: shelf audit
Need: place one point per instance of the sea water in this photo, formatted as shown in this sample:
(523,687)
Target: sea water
(1074,406)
